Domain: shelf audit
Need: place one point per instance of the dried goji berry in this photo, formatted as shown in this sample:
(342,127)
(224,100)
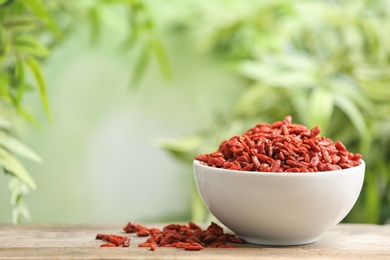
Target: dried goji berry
(131,227)
(209,239)
(188,237)
(296,146)
(126,242)
(116,240)
(182,244)
(193,247)
(143,233)
(216,244)
(107,245)
(100,236)
(153,246)
(215,229)
(237,240)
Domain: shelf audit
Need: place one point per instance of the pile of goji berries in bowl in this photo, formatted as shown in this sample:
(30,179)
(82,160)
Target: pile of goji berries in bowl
(279,183)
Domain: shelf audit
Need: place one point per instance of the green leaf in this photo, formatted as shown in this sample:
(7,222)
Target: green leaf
(19,70)
(199,212)
(4,123)
(15,146)
(26,44)
(320,108)
(21,23)
(11,164)
(38,8)
(182,148)
(19,212)
(37,73)
(4,45)
(140,66)
(95,17)
(353,113)
(21,89)
(5,3)
(253,97)
(299,100)
(18,190)
(372,206)
(4,85)
(273,74)
(28,116)
(348,88)
(376,90)
(162,59)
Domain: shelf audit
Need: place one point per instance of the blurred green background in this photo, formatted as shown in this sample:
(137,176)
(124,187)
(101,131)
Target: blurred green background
(133,90)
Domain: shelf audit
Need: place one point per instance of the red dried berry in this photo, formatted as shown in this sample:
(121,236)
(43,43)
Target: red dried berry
(100,236)
(189,237)
(281,147)
(143,233)
(193,247)
(215,229)
(209,239)
(131,227)
(237,240)
(107,245)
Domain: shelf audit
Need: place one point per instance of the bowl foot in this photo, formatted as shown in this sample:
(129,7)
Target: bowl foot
(279,241)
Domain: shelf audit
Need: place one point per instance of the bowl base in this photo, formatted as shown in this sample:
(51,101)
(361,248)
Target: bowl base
(279,241)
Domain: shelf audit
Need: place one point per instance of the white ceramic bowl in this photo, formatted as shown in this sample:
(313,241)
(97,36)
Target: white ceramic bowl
(279,208)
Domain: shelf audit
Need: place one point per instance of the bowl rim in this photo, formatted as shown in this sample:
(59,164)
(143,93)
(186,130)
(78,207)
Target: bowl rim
(258,173)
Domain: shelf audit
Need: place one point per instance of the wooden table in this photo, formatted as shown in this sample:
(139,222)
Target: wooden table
(60,241)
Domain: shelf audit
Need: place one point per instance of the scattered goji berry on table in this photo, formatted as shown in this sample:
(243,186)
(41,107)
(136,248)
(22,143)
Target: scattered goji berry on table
(114,240)
(190,237)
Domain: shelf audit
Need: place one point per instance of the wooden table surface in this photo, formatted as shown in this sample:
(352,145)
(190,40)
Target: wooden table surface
(70,241)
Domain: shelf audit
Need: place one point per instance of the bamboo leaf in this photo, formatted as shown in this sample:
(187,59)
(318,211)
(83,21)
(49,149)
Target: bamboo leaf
(4,123)
(4,45)
(140,66)
(320,108)
(198,210)
(377,91)
(134,31)
(129,42)
(38,8)
(162,59)
(37,73)
(299,100)
(28,117)
(181,148)
(353,113)
(275,76)
(11,164)
(15,146)
(21,89)
(19,71)
(4,85)
(27,44)
(253,97)
(94,16)
(348,88)
(18,190)
(372,206)
(19,212)
(21,23)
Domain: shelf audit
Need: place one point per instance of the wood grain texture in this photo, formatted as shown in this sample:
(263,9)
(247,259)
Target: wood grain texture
(59,241)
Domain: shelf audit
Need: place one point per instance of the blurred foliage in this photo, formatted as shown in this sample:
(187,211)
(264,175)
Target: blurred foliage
(30,30)
(324,62)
